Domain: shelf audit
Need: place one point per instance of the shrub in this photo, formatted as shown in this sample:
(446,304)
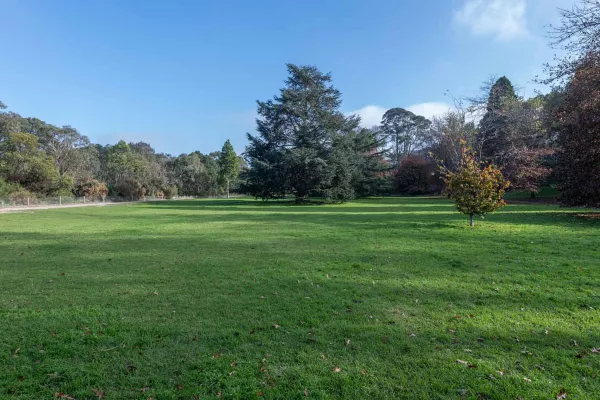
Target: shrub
(93,190)
(6,188)
(414,176)
(131,189)
(22,197)
(170,191)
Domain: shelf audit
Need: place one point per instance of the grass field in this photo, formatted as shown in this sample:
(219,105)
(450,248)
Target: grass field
(378,299)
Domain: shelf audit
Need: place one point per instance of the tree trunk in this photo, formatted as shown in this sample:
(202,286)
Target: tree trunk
(227,188)
(533,195)
(471,223)
(299,200)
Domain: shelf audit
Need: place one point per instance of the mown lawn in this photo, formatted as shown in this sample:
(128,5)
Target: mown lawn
(373,299)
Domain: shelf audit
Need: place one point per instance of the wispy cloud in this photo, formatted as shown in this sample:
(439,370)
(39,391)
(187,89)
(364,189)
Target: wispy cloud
(503,19)
(371,115)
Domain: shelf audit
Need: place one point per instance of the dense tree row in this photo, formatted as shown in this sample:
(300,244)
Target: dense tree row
(305,146)
(39,159)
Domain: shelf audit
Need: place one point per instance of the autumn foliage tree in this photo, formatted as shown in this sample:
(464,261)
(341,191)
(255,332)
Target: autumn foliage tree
(476,190)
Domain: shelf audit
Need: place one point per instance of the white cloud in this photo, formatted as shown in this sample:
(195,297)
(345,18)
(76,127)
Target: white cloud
(429,110)
(504,19)
(371,115)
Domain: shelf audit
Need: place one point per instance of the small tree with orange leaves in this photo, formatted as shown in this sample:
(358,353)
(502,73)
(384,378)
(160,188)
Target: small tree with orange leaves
(475,189)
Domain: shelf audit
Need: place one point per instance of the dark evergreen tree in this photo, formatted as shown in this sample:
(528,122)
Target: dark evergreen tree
(301,147)
(493,137)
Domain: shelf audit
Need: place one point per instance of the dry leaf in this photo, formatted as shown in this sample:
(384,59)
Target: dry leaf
(412,335)
(596,350)
(337,369)
(60,395)
(500,372)
(347,343)
(562,394)
(99,393)
(144,389)
(468,351)
(526,379)
(462,362)
(306,394)
(276,326)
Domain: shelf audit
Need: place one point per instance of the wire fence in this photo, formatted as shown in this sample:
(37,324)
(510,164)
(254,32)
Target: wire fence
(58,201)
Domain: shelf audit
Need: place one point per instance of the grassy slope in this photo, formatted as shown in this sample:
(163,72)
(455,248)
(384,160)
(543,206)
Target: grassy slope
(181,298)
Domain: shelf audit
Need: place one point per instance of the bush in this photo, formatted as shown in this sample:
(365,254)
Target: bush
(93,190)
(170,192)
(6,188)
(414,176)
(131,189)
(22,197)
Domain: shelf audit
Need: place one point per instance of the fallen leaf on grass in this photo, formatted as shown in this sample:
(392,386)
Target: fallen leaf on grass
(337,369)
(61,395)
(500,373)
(306,394)
(526,379)
(462,362)
(468,351)
(347,342)
(145,389)
(412,335)
(99,393)
(276,326)
(596,350)
(180,387)
(562,394)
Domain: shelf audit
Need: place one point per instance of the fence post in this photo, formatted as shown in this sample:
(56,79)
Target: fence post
(84,199)
(60,200)
(28,202)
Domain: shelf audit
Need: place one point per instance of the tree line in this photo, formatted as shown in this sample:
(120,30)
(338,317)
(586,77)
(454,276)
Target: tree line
(306,147)
(39,159)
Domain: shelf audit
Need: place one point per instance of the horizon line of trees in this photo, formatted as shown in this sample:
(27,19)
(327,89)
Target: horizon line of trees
(306,147)
(38,159)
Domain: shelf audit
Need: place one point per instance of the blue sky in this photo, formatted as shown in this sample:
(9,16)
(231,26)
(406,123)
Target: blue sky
(185,75)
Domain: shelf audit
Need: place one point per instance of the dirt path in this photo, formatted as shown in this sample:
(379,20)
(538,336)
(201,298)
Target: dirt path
(52,206)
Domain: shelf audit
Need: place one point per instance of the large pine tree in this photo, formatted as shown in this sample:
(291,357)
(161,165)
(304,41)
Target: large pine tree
(301,147)
(493,136)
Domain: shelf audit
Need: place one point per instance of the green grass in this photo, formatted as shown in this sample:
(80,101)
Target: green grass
(245,299)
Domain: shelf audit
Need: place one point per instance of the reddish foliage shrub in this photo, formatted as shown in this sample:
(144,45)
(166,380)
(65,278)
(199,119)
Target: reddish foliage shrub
(414,176)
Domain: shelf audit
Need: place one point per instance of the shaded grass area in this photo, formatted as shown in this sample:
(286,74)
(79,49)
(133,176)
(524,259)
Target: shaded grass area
(246,299)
